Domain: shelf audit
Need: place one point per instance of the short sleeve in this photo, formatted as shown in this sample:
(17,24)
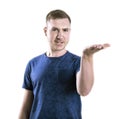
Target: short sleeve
(77,64)
(27,82)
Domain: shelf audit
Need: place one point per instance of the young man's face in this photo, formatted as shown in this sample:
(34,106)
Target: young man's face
(58,33)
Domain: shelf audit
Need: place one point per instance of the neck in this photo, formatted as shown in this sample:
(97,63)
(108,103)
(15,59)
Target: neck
(55,53)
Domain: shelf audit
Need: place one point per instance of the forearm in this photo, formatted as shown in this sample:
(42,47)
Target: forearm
(26,105)
(85,78)
(23,116)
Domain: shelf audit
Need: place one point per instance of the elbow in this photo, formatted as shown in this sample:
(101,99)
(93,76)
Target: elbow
(83,92)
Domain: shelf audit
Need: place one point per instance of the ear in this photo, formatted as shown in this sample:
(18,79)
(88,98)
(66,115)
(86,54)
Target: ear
(45,31)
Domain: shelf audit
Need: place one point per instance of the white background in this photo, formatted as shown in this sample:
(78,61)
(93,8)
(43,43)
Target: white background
(22,37)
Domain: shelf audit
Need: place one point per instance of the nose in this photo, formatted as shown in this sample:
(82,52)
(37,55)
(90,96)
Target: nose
(59,34)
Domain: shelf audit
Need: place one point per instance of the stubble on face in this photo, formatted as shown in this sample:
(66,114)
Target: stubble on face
(58,33)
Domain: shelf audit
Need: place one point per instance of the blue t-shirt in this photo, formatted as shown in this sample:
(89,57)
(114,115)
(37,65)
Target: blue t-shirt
(53,82)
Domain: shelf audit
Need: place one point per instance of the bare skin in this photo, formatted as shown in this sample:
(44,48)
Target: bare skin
(26,105)
(57,32)
(85,77)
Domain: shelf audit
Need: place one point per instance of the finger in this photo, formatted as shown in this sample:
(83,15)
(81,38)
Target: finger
(101,46)
(106,45)
(97,47)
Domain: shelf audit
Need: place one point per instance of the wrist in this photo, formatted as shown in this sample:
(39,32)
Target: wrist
(87,58)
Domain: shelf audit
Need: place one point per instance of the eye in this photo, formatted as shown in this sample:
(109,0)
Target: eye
(54,29)
(66,30)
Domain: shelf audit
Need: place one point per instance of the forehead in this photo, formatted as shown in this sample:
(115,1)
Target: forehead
(59,23)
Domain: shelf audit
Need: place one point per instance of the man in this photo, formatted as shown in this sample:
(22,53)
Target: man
(55,81)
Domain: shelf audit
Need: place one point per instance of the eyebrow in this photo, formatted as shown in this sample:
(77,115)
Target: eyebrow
(68,28)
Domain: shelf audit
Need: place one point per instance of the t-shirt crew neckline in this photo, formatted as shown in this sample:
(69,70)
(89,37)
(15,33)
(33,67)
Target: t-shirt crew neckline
(56,57)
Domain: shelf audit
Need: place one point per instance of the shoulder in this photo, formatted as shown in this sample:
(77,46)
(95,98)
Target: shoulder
(74,56)
(74,61)
(36,59)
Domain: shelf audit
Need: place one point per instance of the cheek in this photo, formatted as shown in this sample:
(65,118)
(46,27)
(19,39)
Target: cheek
(51,35)
(51,38)
(67,37)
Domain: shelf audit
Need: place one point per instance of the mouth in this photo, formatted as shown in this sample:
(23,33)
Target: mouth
(59,42)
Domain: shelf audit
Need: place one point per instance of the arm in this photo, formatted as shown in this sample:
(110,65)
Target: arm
(26,105)
(85,77)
